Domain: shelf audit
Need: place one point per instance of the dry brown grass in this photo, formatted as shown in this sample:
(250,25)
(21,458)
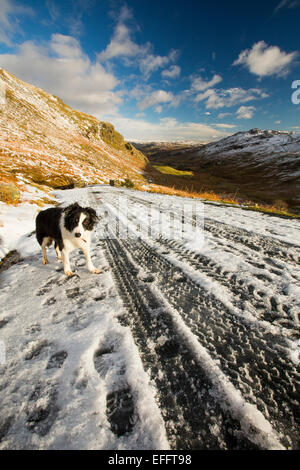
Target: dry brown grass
(211,196)
(207,195)
(9,193)
(271,209)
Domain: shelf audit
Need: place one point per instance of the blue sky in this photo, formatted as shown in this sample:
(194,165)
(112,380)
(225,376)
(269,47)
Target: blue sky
(160,69)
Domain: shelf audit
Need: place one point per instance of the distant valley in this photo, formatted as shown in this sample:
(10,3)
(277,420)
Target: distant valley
(262,166)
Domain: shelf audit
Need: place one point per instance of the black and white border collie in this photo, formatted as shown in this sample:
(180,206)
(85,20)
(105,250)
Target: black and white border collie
(70,228)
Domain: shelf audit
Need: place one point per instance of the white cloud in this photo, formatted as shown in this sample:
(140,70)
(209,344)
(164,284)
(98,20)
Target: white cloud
(140,92)
(147,97)
(280,5)
(245,112)
(173,72)
(221,98)
(167,129)
(140,115)
(123,46)
(286,4)
(9,11)
(198,84)
(66,47)
(225,126)
(72,17)
(264,60)
(150,62)
(75,16)
(156,97)
(61,67)
(53,10)
(222,115)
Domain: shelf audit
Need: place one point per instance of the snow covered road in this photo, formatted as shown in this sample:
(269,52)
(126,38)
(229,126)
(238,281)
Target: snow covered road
(188,339)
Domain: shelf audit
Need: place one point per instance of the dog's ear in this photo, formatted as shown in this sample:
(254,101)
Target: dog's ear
(71,208)
(92,214)
(91,219)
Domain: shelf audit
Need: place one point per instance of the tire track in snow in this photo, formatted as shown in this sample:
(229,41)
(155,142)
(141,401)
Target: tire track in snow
(268,246)
(252,358)
(256,242)
(193,416)
(266,267)
(275,308)
(269,307)
(125,257)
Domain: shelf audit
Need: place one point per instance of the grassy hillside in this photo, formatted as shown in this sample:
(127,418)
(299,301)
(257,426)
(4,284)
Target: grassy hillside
(46,144)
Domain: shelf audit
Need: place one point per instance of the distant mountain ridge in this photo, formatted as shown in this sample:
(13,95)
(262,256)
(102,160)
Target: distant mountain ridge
(264,164)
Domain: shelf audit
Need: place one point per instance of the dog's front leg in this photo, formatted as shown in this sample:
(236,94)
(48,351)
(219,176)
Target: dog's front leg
(89,262)
(66,262)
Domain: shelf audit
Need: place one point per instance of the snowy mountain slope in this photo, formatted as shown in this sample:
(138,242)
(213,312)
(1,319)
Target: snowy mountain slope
(189,338)
(264,164)
(45,143)
(258,142)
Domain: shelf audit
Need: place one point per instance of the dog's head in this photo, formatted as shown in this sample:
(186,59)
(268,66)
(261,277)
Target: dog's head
(79,220)
(91,218)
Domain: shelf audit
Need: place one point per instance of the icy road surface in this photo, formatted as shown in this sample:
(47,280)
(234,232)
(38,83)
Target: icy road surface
(188,339)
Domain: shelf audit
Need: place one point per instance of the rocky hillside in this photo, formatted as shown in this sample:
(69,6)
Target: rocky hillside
(262,165)
(46,144)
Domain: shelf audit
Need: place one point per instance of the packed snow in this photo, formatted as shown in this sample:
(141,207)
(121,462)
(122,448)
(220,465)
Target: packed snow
(77,369)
